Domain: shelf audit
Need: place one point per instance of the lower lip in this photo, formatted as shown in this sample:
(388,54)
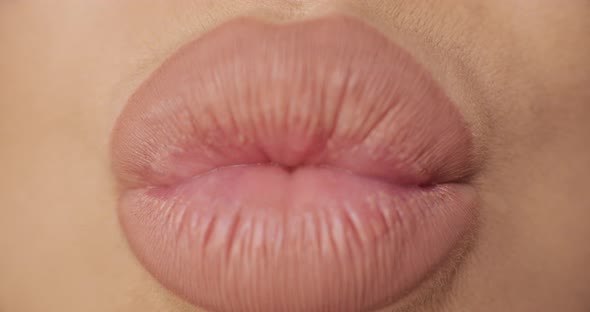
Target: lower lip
(238,232)
(315,239)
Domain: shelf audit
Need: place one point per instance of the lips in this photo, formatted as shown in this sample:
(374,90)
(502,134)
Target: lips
(311,166)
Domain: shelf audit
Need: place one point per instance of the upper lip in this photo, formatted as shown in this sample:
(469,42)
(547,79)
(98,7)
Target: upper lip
(202,120)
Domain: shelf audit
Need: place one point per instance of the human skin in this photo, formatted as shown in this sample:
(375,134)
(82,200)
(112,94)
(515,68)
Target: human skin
(518,70)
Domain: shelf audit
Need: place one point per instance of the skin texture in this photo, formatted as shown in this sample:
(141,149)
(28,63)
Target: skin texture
(517,69)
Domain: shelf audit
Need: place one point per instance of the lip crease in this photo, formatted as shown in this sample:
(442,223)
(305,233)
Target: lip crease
(308,166)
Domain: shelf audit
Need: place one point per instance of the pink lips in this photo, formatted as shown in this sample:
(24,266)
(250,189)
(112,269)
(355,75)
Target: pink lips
(310,166)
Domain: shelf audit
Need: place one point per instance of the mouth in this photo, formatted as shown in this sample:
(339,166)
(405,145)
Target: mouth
(311,166)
